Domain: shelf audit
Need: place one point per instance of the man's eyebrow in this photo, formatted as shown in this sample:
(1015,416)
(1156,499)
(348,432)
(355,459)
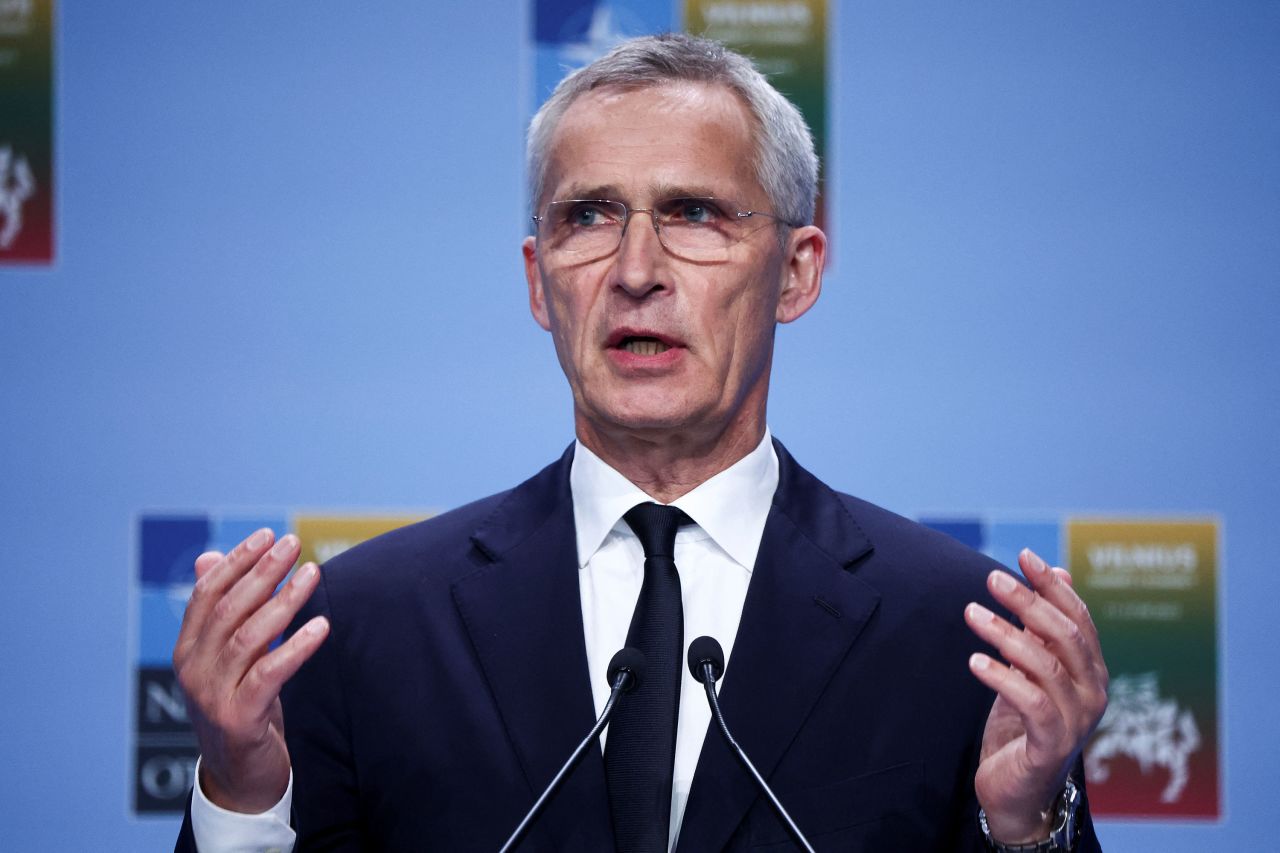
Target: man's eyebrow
(592,191)
(613,192)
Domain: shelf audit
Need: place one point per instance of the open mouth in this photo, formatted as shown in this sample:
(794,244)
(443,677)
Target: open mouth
(643,346)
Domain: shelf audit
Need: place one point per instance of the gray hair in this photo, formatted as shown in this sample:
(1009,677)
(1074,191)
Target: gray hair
(786,164)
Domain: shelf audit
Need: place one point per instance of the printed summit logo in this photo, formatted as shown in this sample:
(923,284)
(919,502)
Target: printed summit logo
(1140,725)
(15,15)
(17,184)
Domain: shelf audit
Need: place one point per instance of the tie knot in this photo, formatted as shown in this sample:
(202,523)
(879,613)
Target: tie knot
(655,526)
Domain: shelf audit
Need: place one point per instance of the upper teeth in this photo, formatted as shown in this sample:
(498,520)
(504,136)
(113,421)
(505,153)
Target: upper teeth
(644,346)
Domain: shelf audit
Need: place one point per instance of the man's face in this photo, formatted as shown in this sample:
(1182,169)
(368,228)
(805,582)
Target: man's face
(651,343)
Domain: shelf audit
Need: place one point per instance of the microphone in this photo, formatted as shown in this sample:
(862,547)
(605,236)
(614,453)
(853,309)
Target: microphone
(625,670)
(706,663)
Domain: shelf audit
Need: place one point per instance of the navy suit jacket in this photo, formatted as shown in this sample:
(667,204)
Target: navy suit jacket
(454,684)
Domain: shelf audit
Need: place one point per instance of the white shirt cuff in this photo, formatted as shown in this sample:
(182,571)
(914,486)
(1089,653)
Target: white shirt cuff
(218,830)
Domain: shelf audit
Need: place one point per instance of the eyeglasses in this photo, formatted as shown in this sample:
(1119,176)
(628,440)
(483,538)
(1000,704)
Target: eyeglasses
(696,229)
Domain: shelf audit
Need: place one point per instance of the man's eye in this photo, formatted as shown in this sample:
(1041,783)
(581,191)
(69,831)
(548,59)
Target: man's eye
(695,211)
(583,215)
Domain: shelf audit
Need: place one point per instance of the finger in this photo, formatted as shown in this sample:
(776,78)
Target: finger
(262,684)
(1042,721)
(1060,594)
(1075,643)
(1027,655)
(218,578)
(207,561)
(212,581)
(251,639)
(229,591)
(1063,637)
(1064,576)
(252,590)
(240,560)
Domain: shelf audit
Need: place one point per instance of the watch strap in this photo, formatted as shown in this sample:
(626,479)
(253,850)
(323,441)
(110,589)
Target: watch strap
(1063,834)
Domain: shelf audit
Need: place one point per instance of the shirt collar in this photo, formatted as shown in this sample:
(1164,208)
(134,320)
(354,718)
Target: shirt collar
(731,507)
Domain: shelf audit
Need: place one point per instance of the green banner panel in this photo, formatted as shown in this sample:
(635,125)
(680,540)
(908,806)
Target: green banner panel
(1152,587)
(26,131)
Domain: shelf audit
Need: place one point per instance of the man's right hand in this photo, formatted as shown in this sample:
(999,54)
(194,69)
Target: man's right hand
(230,675)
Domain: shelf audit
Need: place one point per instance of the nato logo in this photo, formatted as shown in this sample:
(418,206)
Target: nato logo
(164,744)
(569,34)
(1003,540)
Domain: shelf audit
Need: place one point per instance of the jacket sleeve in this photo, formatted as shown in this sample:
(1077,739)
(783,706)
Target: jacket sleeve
(326,803)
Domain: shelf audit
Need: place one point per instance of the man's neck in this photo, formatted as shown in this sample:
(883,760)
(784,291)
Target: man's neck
(666,465)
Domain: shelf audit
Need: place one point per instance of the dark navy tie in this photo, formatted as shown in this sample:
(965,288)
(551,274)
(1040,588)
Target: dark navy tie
(640,755)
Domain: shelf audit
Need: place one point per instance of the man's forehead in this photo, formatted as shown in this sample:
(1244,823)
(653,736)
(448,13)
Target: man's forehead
(694,138)
(676,101)
(676,92)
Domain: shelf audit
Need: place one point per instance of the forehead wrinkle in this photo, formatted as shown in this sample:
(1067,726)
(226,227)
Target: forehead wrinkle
(597,192)
(682,190)
(656,192)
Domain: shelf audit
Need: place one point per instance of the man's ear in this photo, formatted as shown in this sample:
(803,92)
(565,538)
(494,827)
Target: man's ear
(537,297)
(806,257)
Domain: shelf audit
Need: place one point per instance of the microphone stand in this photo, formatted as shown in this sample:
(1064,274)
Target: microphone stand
(707,662)
(623,681)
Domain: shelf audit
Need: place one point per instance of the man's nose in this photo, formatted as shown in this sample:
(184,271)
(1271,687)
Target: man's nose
(640,254)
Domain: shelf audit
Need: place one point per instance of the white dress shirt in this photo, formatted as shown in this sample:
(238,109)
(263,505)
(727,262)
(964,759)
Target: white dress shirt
(714,556)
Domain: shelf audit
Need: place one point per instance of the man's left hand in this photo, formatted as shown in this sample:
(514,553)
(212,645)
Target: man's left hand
(1050,696)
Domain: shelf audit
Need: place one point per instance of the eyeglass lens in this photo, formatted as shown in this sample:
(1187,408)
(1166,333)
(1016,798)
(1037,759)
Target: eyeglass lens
(700,229)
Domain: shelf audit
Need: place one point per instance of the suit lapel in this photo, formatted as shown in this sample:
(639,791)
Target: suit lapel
(523,613)
(803,612)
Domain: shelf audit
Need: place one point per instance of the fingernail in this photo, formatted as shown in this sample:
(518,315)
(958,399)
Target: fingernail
(979,661)
(284,546)
(1038,565)
(978,613)
(1003,582)
(316,626)
(306,573)
(258,539)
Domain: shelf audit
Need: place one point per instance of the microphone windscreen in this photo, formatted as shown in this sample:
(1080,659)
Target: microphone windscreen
(706,650)
(632,660)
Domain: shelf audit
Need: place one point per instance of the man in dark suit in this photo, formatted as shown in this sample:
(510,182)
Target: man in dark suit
(437,676)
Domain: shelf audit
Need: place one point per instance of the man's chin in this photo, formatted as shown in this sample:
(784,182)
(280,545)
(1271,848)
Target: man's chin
(647,421)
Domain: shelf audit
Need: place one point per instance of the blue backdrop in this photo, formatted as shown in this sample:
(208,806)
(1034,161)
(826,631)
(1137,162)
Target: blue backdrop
(288,276)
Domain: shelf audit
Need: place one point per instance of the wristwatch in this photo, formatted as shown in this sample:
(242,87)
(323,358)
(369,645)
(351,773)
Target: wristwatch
(1063,835)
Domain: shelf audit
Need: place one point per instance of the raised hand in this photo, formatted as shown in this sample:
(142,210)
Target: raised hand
(1051,696)
(232,678)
